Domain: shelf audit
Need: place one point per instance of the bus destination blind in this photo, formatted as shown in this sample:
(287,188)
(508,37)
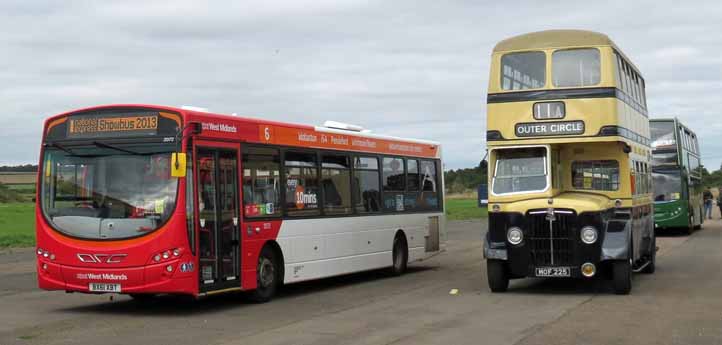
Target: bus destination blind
(116,126)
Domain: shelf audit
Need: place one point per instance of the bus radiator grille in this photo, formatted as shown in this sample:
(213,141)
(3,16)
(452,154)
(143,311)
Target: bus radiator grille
(560,246)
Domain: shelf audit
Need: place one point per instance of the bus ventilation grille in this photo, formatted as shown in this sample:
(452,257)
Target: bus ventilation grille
(560,245)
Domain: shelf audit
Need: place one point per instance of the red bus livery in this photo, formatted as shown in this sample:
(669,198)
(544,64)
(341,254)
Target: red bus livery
(143,200)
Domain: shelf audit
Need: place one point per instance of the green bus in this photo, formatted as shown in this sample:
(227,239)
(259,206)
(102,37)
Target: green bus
(677,175)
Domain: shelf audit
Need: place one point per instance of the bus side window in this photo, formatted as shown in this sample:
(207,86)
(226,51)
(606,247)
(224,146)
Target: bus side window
(261,182)
(366,183)
(412,199)
(336,184)
(430,184)
(394,179)
(302,184)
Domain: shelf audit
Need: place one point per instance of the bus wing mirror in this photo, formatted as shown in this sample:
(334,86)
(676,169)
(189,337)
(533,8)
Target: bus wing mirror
(178,164)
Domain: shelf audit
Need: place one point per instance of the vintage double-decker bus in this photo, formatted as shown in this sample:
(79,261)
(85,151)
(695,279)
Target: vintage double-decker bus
(144,199)
(569,161)
(677,175)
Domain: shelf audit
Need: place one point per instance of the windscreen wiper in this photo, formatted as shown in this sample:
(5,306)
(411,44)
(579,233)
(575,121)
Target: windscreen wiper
(113,147)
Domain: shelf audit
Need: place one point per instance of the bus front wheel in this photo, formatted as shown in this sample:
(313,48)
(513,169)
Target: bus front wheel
(497,275)
(622,271)
(690,227)
(267,276)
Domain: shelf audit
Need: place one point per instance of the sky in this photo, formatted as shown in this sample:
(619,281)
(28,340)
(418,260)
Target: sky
(405,68)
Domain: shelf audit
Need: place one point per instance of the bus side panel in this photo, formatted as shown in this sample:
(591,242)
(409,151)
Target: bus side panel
(254,235)
(324,247)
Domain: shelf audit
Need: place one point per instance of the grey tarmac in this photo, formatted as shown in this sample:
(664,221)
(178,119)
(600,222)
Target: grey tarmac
(680,304)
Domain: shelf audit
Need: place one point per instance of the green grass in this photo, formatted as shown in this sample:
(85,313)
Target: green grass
(464,209)
(22,187)
(17,224)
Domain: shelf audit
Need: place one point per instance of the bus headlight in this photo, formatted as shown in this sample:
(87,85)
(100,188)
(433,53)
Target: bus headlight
(514,235)
(589,234)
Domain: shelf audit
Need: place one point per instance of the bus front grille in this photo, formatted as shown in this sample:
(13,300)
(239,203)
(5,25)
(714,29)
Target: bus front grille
(551,247)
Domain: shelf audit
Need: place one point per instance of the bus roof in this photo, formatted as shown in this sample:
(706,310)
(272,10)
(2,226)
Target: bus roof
(197,114)
(673,119)
(566,38)
(553,39)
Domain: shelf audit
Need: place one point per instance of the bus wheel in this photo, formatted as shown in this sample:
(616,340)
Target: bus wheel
(497,276)
(650,268)
(690,226)
(266,276)
(622,271)
(698,226)
(400,256)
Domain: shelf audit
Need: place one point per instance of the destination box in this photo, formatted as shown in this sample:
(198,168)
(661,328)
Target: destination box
(536,129)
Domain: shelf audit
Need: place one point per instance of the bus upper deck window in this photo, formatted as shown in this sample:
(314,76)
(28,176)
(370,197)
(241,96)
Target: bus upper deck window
(576,67)
(520,71)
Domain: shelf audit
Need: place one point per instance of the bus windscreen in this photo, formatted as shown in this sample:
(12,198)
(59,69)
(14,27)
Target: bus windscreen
(108,192)
(667,185)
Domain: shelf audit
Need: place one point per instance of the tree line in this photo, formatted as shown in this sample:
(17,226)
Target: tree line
(19,168)
(465,180)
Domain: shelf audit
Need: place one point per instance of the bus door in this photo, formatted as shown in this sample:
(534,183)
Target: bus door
(218,218)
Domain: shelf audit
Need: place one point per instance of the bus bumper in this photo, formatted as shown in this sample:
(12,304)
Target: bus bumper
(147,279)
(612,244)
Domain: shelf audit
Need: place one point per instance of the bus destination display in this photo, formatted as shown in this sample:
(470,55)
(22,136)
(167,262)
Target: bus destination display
(91,127)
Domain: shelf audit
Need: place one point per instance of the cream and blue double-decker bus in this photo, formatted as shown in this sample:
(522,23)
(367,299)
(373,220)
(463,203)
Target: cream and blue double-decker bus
(569,161)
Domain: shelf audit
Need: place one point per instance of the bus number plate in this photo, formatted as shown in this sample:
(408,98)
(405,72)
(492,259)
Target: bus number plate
(553,272)
(101,287)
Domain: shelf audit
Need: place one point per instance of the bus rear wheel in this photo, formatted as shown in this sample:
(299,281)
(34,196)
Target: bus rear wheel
(267,276)
(651,265)
(400,256)
(622,275)
(497,275)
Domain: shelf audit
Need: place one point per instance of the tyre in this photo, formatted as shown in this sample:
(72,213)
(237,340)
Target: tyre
(651,267)
(622,276)
(267,276)
(690,227)
(400,256)
(497,275)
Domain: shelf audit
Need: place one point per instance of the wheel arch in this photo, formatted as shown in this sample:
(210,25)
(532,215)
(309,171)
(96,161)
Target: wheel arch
(617,237)
(402,234)
(279,254)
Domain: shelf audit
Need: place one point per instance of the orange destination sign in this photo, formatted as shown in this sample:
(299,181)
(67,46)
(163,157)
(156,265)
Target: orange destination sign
(114,126)
(310,138)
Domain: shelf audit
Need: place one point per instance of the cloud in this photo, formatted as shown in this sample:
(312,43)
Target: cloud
(405,68)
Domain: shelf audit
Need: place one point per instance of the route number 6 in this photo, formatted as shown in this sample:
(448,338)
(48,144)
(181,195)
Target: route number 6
(267,133)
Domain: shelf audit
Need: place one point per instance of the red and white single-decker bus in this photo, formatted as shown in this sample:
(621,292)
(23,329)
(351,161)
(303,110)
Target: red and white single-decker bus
(144,200)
